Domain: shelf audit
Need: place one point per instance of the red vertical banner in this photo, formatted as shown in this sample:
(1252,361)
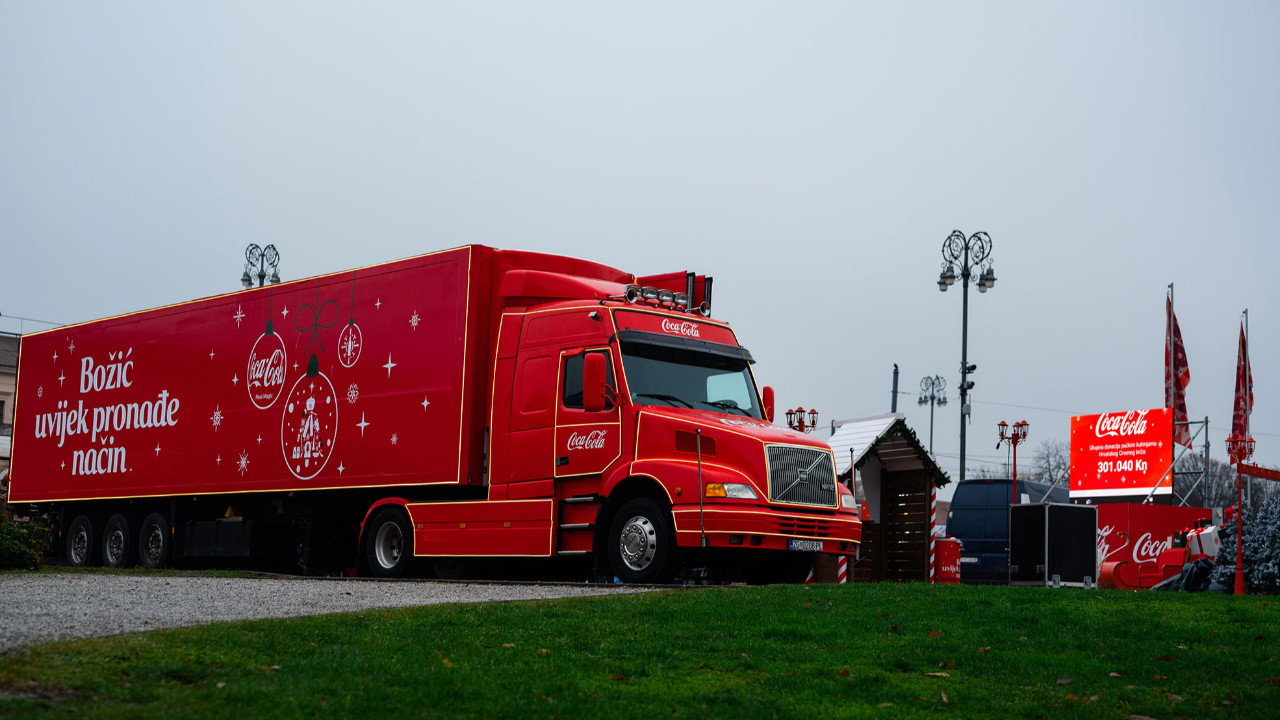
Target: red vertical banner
(1177,375)
(1244,393)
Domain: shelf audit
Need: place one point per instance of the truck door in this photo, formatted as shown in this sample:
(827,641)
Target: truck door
(586,442)
(533,410)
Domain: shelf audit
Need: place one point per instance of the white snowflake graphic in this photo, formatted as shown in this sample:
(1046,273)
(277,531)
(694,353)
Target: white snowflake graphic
(239,315)
(243,463)
(40,391)
(353,393)
(71,347)
(414,320)
(394,438)
(216,418)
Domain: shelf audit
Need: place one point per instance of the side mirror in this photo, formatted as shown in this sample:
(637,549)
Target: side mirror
(768,403)
(593,369)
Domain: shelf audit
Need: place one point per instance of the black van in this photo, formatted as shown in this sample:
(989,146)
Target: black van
(979,517)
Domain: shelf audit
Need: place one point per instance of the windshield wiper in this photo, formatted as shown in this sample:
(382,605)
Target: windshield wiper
(726,405)
(668,398)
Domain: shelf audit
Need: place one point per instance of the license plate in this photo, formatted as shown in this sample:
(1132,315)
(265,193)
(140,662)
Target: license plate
(805,545)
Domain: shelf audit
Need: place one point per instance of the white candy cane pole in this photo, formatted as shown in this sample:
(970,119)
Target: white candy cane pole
(842,569)
(933,519)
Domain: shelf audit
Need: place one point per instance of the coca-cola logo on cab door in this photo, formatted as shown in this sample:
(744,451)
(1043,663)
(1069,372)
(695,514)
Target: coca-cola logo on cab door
(593,440)
(680,327)
(1133,422)
(266,370)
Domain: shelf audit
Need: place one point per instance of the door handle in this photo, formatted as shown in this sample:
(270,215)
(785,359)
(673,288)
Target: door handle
(562,461)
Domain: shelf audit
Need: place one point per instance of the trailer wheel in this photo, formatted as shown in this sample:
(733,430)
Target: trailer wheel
(117,542)
(641,542)
(389,543)
(155,541)
(80,542)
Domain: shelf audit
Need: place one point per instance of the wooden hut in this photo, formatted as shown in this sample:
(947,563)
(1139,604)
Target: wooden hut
(897,479)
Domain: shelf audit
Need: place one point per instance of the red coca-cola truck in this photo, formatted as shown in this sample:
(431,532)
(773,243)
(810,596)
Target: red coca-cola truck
(472,402)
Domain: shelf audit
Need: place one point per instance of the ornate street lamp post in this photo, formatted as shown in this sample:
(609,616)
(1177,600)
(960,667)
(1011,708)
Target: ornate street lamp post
(796,420)
(1240,449)
(258,260)
(1014,438)
(971,255)
(933,392)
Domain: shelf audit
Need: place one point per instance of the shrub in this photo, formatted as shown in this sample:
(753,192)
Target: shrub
(22,544)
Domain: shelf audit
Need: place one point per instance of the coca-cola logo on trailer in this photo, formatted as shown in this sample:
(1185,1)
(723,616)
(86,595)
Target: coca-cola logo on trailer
(266,370)
(680,327)
(1148,549)
(593,440)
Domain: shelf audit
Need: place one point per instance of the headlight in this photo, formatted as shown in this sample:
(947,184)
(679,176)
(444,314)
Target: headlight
(847,501)
(740,491)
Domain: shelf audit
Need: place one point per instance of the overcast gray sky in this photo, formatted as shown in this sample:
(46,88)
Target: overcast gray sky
(812,157)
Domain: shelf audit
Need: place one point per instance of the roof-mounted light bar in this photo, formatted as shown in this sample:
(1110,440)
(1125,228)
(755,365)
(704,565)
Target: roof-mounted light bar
(661,297)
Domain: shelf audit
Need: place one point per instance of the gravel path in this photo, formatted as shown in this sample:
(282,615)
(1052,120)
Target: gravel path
(41,607)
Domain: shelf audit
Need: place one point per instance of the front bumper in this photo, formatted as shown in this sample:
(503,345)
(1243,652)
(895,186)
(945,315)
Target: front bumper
(751,526)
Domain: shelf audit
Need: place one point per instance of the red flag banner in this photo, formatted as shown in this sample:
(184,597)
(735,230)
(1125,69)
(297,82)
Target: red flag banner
(1176,378)
(1244,392)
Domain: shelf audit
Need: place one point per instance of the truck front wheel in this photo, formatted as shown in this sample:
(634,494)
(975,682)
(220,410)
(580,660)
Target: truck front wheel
(80,542)
(641,542)
(389,543)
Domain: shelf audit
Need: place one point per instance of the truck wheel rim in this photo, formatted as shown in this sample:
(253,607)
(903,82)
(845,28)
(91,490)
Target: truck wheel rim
(154,543)
(388,545)
(638,543)
(115,547)
(79,546)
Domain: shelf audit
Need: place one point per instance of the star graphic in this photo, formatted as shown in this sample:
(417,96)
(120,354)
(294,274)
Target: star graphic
(259,439)
(285,312)
(340,468)
(362,424)
(425,402)
(61,377)
(218,459)
(394,438)
(64,464)
(40,391)
(216,418)
(378,304)
(235,380)
(239,315)
(71,346)
(55,356)
(414,320)
(295,366)
(210,354)
(157,449)
(389,365)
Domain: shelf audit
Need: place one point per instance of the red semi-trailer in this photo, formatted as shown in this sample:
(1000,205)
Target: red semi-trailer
(472,402)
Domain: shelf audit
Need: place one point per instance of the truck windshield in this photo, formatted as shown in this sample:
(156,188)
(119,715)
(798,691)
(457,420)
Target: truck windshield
(678,377)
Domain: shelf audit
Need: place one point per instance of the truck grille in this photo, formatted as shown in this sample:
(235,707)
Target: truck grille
(801,476)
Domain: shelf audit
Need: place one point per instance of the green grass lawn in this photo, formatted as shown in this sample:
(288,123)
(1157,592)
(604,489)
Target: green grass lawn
(881,650)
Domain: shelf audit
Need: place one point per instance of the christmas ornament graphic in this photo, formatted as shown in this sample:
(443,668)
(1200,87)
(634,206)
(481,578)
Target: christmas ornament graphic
(267,363)
(309,426)
(350,340)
